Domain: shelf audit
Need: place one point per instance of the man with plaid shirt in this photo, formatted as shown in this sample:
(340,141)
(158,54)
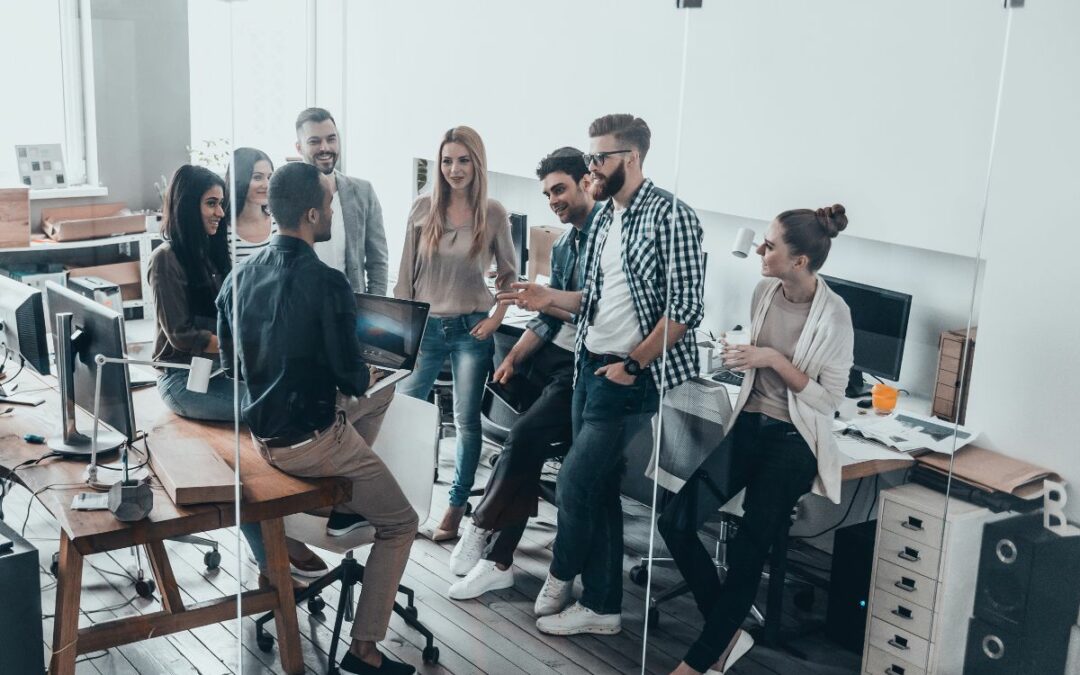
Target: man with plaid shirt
(640,238)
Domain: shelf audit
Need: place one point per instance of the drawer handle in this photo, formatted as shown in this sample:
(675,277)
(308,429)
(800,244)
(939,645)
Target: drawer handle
(913,523)
(909,554)
(899,643)
(902,612)
(906,584)
(894,670)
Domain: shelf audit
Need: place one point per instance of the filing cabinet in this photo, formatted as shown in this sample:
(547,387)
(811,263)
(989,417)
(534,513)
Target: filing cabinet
(926,561)
(953,375)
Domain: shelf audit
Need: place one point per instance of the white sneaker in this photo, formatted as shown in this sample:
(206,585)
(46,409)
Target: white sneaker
(742,646)
(469,548)
(483,577)
(577,619)
(554,596)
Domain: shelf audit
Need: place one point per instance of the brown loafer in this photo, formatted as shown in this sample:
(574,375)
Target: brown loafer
(312,568)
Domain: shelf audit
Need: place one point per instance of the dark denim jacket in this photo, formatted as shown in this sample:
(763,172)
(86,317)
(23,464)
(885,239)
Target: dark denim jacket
(567,272)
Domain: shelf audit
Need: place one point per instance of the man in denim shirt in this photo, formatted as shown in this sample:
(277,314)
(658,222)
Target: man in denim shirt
(543,360)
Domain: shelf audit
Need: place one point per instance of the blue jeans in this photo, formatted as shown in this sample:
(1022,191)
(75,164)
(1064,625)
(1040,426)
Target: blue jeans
(470,363)
(216,405)
(589,539)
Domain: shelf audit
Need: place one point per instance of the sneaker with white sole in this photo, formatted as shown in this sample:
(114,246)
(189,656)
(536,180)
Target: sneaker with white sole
(554,596)
(483,577)
(577,619)
(742,646)
(468,550)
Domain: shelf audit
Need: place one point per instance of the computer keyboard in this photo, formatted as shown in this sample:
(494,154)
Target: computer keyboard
(728,377)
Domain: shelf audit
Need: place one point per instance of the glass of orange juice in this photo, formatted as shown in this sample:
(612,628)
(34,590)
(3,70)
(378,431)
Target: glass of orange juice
(883,398)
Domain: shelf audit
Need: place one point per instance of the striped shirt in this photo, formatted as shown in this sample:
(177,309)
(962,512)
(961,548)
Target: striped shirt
(243,249)
(655,243)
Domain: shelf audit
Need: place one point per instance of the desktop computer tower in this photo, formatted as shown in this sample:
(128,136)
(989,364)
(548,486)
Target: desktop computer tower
(21,646)
(1026,600)
(849,585)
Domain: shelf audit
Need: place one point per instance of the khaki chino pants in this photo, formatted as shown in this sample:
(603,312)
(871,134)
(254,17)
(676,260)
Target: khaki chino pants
(344,449)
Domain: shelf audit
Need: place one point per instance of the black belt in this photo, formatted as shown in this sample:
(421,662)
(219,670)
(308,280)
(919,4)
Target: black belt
(287,441)
(763,421)
(606,359)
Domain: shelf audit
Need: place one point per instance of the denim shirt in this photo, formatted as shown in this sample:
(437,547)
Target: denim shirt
(567,272)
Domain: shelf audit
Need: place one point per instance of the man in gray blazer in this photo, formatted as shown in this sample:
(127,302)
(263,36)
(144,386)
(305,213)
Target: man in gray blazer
(357,244)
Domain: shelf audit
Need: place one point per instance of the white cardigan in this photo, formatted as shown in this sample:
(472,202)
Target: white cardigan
(824,353)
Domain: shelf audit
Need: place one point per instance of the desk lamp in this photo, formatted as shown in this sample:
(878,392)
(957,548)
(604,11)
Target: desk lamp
(131,500)
(744,243)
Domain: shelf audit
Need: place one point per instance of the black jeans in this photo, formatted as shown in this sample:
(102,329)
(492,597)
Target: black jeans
(540,434)
(772,461)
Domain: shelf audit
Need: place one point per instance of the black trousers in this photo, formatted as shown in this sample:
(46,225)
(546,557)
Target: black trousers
(541,433)
(772,461)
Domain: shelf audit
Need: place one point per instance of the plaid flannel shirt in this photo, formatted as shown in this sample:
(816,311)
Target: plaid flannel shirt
(647,227)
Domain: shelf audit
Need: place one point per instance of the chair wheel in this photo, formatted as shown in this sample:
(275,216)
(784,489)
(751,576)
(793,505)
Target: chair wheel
(639,574)
(431,655)
(316,604)
(494,459)
(54,566)
(145,588)
(412,612)
(654,617)
(804,599)
(212,560)
(265,641)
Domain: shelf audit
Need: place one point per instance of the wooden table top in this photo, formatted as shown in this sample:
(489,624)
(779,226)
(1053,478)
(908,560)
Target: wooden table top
(267,492)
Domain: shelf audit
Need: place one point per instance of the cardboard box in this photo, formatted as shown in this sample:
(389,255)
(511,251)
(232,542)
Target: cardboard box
(14,217)
(92,221)
(126,275)
(541,239)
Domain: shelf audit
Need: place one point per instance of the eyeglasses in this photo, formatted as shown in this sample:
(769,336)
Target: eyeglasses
(600,157)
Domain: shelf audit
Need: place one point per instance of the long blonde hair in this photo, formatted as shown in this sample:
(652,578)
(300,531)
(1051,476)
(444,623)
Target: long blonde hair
(435,225)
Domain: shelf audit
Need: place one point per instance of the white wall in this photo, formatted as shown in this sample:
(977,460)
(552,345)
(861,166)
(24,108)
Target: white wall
(1026,373)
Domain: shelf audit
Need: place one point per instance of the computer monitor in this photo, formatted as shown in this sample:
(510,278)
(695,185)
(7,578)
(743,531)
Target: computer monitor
(22,324)
(519,232)
(86,329)
(880,320)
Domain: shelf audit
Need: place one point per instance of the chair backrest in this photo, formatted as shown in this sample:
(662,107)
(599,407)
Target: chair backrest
(408,444)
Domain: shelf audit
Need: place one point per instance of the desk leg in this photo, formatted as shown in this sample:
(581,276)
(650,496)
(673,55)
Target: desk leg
(163,573)
(66,621)
(277,562)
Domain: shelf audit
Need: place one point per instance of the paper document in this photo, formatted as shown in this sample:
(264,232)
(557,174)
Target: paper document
(908,432)
(854,450)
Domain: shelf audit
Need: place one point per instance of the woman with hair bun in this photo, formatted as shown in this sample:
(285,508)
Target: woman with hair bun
(782,445)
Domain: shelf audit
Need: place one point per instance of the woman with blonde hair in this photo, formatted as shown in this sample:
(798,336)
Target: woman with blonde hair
(453,236)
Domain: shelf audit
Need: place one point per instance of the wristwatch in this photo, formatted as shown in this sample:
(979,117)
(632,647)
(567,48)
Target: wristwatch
(632,367)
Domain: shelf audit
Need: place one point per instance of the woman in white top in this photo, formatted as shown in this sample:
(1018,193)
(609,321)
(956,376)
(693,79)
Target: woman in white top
(781,433)
(254,227)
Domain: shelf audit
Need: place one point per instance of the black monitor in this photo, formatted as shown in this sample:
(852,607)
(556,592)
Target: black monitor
(880,320)
(86,329)
(22,333)
(519,232)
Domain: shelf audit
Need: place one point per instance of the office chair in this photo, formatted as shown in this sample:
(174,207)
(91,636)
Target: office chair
(408,444)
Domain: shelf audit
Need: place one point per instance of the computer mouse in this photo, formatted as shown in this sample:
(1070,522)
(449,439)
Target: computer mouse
(865,403)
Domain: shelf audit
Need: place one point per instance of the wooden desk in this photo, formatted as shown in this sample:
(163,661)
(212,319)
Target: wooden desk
(268,496)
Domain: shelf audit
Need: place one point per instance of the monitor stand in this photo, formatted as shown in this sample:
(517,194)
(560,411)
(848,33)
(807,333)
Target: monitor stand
(71,442)
(856,385)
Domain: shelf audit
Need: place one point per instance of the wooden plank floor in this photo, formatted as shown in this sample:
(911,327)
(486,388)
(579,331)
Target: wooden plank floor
(494,634)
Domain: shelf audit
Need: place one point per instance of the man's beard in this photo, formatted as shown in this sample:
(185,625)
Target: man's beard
(604,188)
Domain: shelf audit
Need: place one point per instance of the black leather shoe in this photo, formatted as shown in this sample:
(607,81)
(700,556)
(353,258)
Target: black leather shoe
(343,523)
(352,664)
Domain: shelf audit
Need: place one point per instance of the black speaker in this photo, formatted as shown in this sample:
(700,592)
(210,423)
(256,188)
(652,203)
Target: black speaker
(849,585)
(1026,599)
(21,647)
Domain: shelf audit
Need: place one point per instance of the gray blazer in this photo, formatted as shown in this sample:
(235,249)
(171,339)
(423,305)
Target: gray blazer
(366,254)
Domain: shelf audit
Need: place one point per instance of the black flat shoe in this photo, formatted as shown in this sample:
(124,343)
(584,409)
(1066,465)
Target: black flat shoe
(352,664)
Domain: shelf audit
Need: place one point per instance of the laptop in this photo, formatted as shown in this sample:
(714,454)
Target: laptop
(390,331)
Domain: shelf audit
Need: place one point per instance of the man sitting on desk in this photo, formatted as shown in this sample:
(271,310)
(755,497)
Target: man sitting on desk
(543,355)
(295,339)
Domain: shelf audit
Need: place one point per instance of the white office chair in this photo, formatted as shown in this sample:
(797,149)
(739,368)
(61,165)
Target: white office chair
(408,445)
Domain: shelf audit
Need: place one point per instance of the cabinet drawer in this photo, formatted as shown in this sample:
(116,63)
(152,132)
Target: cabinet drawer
(945,391)
(880,663)
(906,584)
(944,408)
(952,348)
(901,613)
(899,643)
(949,364)
(912,523)
(909,554)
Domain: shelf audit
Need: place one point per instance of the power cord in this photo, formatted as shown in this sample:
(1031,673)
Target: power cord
(840,522)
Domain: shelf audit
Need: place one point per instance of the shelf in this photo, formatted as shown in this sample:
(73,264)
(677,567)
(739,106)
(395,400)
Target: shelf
(69,192)
(46,245)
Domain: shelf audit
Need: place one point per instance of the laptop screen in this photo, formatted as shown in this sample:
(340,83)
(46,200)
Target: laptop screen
(389,330)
